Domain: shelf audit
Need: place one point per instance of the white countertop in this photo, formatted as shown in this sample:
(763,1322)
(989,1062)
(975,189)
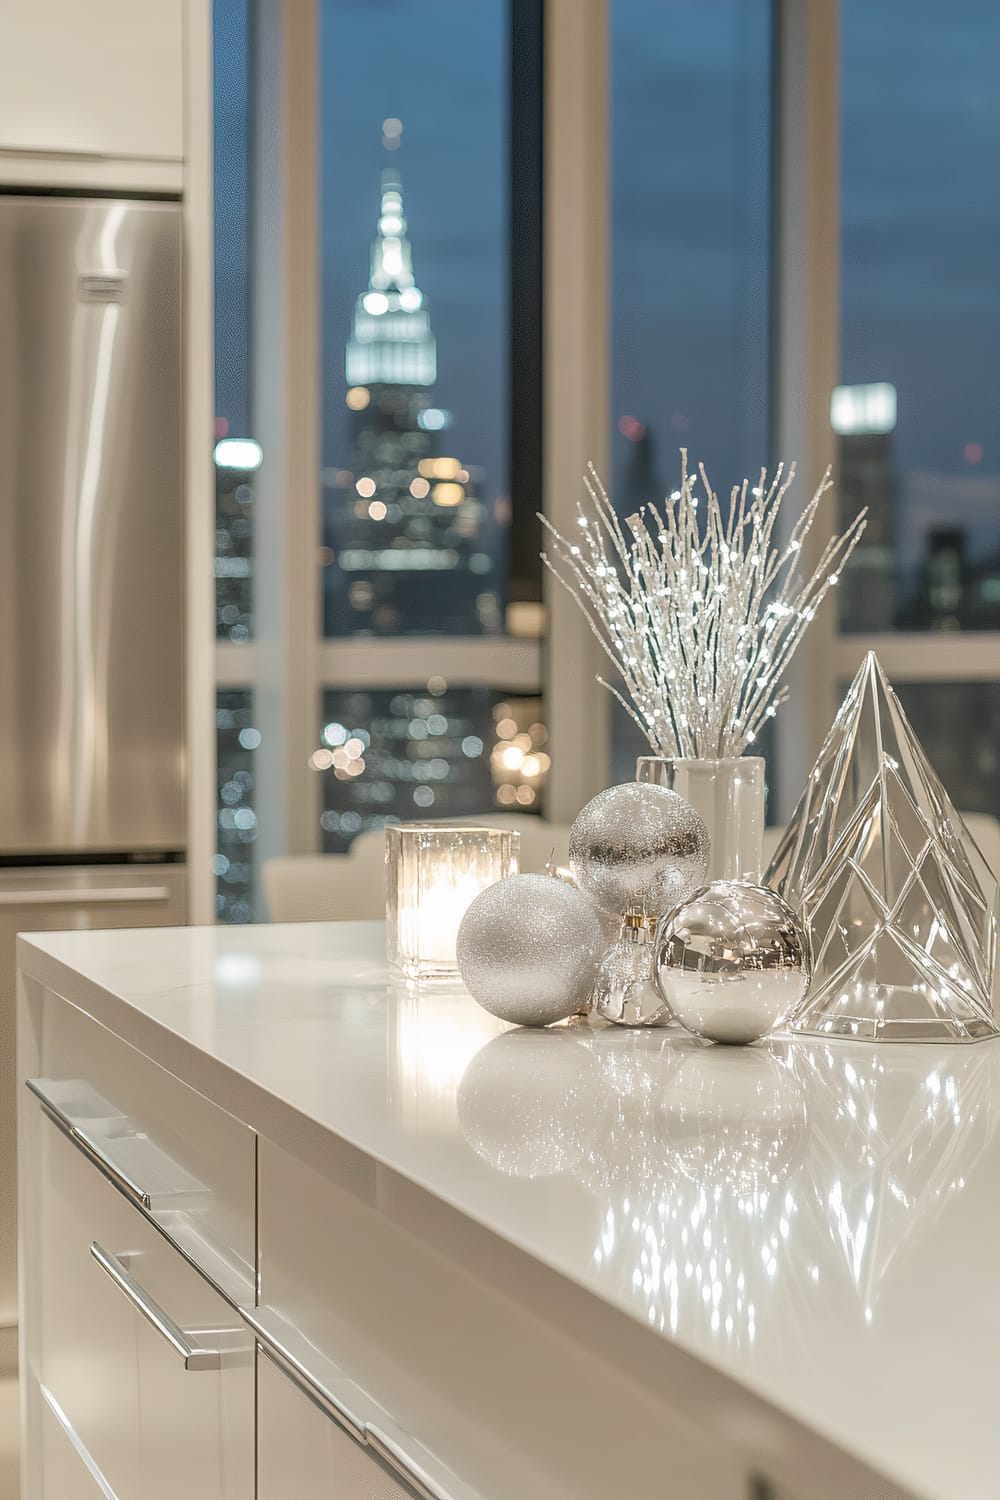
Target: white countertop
(820,1221)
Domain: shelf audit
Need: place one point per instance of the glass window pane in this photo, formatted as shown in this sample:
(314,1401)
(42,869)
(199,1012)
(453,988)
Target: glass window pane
(958,725)
(920,309)
(236,736)
(414,240)
(236,740)
(394,755)
(690,161)
(235,461)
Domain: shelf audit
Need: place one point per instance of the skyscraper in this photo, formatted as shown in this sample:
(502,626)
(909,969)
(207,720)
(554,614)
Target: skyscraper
(864,419)
(407,556)
(402,520)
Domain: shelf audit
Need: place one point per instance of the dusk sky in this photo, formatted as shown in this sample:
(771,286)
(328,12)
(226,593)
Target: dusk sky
(690,80)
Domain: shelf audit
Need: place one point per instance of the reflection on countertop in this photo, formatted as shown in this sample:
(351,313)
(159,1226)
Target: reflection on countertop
(729,1182)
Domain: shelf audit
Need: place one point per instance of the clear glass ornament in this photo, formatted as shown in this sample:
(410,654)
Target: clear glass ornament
(624,991)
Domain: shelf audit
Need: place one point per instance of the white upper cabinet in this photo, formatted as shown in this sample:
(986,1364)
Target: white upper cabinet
(101,79)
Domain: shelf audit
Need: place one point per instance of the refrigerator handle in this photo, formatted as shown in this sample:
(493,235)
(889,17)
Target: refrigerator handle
(83,896)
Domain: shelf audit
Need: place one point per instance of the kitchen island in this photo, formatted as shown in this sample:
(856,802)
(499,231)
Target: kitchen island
(291,1229)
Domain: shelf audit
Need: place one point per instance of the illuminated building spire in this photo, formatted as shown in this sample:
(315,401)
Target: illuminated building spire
(391,341)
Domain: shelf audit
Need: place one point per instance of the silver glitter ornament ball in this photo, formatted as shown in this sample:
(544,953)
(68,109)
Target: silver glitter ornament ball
(527,949)
(638,847)
(733,962)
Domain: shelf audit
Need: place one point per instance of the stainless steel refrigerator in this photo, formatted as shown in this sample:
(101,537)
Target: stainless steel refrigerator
(92,782)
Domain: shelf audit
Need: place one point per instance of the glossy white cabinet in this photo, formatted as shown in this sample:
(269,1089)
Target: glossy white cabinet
(139,1374)
(303,1453)
(87,1355)
(66,1471)
(53,900)
(193,1162)
(97,79)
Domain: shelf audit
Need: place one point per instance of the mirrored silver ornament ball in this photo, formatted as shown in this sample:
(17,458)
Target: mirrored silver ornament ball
(638,848)
(527,949)
(733,962)
(624,991)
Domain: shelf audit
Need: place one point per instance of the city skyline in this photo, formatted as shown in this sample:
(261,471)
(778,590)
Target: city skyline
(710,68)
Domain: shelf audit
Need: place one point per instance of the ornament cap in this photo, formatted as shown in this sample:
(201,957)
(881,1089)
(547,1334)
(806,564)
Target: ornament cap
(637,925)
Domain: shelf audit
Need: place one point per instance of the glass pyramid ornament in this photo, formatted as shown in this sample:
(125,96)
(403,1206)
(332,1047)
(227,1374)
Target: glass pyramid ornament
(900,904)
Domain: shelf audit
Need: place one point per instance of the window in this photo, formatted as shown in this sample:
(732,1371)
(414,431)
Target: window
(236,456)
(414,211)
(420,694)
(690,245)
(236,741)
(422,751)
(915,414)
(416,508)
(920,310)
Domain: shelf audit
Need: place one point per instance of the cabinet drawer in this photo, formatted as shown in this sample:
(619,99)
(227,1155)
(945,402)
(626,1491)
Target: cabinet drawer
(474,1358)
(150,1370)
(303,1452)
(184,1161)
(65,1467)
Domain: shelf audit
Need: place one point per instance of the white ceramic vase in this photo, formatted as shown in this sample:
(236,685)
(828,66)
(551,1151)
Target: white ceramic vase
(729,795)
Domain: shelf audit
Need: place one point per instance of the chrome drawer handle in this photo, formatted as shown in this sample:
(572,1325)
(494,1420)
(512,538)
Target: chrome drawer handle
(292,1366)
(388,1449)
(90,1148)
(193,1357)
(406,1466)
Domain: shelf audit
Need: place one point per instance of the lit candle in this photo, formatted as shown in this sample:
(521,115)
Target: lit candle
(434,873)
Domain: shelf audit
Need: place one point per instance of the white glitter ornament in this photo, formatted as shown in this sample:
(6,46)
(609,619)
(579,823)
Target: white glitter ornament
(527,949)
(638,847)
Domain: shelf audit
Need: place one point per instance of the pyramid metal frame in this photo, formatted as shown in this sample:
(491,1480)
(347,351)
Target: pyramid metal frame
(900,905)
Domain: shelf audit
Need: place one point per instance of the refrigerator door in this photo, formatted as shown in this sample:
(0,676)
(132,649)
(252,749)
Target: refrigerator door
(58,900)
(91,608)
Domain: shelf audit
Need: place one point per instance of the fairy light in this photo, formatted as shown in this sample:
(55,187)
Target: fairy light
(700,614)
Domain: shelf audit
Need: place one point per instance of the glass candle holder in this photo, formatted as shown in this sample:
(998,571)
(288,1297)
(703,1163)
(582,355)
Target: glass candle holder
(433,874)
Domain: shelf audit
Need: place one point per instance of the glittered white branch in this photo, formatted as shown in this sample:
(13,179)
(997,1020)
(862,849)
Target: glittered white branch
(700,616)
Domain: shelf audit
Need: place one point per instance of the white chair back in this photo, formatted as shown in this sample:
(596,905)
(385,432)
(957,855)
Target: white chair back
(351,887)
